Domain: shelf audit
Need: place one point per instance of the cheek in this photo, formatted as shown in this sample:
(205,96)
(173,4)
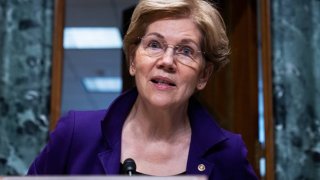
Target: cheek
(135,61)
(142,63)
(191,80)
(142,67)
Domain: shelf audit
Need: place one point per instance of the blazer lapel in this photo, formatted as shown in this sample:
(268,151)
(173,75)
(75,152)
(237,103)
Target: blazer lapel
(205,135)
(111,128)
(198,165)
(110,161)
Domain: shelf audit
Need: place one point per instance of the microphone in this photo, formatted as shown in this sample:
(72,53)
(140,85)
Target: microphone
(129,166)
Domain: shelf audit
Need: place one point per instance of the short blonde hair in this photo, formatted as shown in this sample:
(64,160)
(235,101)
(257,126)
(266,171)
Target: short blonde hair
(214,41)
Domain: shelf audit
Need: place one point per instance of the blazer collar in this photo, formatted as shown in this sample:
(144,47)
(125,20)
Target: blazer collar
(206,133)
(116,115)
(111,128)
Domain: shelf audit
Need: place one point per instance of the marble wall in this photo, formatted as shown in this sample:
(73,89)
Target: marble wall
(25,62)
(296,72)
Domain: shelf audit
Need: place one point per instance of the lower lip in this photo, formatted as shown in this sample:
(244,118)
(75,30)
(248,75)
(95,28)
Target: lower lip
(161,86)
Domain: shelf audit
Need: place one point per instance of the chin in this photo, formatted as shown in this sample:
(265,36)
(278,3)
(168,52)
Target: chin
(162,102)
(166,102)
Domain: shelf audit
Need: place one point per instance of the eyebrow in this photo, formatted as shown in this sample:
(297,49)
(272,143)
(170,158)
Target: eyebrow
(187,40)
(155,34)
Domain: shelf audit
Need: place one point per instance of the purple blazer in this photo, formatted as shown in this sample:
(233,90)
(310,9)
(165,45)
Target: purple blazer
(89,142)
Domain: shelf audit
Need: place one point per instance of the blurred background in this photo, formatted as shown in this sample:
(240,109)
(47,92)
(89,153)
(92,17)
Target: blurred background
(61,55)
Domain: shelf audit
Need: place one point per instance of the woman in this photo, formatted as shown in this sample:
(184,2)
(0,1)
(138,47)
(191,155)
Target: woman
(172,48)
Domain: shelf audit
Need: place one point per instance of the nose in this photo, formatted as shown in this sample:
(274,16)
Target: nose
(167,62)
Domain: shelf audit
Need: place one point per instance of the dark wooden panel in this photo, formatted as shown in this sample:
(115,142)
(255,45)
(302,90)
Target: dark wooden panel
(267,84)
(57,61)
(232,96)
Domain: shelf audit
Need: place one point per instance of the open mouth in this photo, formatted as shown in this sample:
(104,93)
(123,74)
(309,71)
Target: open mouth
(163,81)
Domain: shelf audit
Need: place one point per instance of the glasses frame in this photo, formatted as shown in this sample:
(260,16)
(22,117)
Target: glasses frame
(197,60)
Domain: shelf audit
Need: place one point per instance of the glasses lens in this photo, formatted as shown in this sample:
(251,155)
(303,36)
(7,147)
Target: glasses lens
(153,46)
(187,53)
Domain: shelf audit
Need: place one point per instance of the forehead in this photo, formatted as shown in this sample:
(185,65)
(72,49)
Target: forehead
(175,29)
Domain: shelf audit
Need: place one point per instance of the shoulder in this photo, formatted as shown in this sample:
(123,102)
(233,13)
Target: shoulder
(80,123)
(75,130)
(233,139)
(77,123)
(231,149)
(230,155)
(85,118)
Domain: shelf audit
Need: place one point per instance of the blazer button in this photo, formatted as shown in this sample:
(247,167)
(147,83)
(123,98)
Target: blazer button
(201,167)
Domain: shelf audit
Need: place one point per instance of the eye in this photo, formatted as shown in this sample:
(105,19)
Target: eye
(154,44)
(185,50)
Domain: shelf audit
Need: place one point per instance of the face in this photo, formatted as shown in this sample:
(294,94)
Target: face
(169,79)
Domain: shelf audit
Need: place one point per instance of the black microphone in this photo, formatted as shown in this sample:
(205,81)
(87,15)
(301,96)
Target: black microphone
(129,166)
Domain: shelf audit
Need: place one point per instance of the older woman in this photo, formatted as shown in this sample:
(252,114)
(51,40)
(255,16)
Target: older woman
(172,48)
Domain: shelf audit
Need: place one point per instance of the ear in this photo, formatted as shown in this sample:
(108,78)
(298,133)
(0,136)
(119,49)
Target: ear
(132,68)
(204,76)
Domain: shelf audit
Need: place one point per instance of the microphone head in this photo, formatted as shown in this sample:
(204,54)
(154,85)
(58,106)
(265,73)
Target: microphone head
(129,166)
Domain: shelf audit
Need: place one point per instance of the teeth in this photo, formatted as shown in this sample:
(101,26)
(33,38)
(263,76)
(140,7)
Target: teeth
(160,81)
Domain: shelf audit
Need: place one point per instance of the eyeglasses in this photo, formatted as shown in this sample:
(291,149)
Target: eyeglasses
(186,53)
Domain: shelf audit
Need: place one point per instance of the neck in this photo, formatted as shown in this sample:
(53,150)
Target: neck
(158,123)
